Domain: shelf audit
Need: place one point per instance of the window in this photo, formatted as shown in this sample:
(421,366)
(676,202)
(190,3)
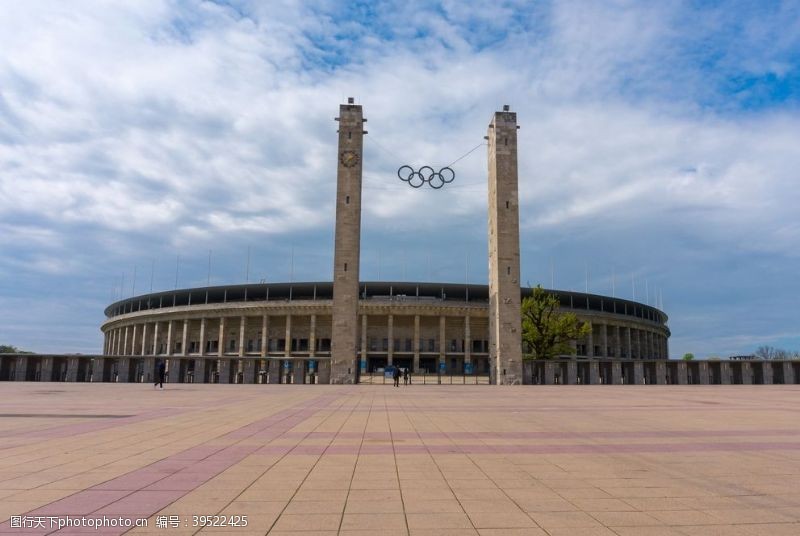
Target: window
(431,345)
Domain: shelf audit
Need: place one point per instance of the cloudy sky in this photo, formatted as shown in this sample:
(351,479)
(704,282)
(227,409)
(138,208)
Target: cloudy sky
(659,149)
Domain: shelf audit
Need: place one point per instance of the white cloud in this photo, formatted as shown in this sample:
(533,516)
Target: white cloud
(136,129)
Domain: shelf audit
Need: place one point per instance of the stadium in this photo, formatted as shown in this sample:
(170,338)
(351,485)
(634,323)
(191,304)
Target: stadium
(281,332)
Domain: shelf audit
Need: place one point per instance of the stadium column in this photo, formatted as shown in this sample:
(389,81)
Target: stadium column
(144,339)
(264,334)
(169,337)
(617,345)
(242,329)
(364,348)
(287,347)
(347,244)
(221,343)
(390,334)
(185,337)
(133,340)
(155,338)
(416,343)
(590,341)
(442,343)
(312,337)
(467,340)
(202,349)
(505,322)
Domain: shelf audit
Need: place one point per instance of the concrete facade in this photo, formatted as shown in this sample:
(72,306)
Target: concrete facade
(505,325)
(347,244)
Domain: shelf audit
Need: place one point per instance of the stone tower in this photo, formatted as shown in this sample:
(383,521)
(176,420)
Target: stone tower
(505,322)
(347,245)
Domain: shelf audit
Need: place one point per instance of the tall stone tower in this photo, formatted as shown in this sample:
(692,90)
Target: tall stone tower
(505,319)
(347,245)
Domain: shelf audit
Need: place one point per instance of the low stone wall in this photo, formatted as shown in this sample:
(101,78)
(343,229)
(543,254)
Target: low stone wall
(659,372)
(180,369)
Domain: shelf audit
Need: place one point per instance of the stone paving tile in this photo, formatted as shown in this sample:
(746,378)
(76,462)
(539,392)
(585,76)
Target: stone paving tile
(422,460)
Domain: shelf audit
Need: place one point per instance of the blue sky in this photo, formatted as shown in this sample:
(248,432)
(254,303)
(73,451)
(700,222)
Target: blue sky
(658,150)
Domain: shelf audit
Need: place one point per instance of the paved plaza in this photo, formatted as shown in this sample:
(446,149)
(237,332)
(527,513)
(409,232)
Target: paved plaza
(419,460)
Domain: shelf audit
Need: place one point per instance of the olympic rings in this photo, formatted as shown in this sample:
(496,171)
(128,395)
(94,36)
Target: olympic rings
(435,179)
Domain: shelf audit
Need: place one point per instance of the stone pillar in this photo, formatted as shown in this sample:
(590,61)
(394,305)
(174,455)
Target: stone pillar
(324,371)
(149,369)
(264,335)
(590,341)
(628,343)
(747,373)
(766,367)
(248,370)
(185,337)
(616,373)
(221,344)
(390,334)
(155,339)
(174,372)
(72,369)
(133,340)
(46,373)
(312,337)
(617,343)
(703,371)
(505,322)
(200,370)
(467,341)
(364,348)
(594,373)
(443,343)
(98,369)
(144,339)
(242,328)
(683,373)
(118,341)
(549,373)
(638,373)
(661,373)
(202,343)
(726,377)
(416,343)
(224,371)
(287,351)
(347,244)
(788,373)
(169,337)
(572,372)
(123,370)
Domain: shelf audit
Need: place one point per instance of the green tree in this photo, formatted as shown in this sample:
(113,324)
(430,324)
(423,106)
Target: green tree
(8,349)
(688,356)
(545,330)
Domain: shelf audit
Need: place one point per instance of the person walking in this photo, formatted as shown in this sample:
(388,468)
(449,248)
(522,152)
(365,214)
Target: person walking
(396,376)
(405,376)
(162,370)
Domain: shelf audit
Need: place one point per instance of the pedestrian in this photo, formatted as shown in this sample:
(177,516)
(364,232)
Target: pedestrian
(396,376)
(162,370)
(405,376)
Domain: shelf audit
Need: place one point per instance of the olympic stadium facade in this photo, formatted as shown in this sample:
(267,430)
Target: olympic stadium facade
(281,332)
